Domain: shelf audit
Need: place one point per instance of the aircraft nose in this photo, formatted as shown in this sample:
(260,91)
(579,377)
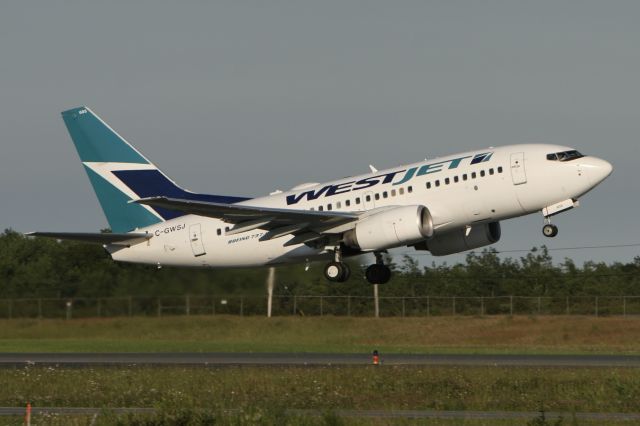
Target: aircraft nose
(597,169)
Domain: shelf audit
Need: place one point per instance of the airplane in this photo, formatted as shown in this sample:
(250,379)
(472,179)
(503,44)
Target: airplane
(444,205)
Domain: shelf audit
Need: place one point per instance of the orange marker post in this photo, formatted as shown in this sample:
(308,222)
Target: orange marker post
(27,416)
(376,358)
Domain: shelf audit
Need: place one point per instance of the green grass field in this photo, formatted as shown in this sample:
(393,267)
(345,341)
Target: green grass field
(260,395)
(266,393)
(490,334)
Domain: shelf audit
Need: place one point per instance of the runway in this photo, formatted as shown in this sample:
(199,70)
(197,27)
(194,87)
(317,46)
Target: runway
(221,359)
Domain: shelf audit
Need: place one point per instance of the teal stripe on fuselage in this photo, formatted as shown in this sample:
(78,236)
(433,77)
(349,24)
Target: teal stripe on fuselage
(95,141)
(122,216)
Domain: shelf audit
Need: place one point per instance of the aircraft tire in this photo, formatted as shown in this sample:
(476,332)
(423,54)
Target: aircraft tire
(549,230)
(378,274)
(337,272)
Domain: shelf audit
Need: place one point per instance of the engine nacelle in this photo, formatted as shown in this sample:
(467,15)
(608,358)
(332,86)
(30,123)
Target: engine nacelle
(457,241)
(395,227)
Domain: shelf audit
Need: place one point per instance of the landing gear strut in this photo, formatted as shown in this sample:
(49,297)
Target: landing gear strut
(378,273)
(337,271)
(549,230)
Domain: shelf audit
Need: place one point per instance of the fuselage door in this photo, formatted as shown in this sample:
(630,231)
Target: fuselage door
(368,201)
(518,173)
(195,236)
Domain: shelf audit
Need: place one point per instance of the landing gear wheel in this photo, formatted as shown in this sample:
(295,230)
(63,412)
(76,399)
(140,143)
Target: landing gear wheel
(378,274)
(337,272)
(549,230)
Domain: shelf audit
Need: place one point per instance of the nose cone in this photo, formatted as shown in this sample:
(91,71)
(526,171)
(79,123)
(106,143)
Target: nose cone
(597,169)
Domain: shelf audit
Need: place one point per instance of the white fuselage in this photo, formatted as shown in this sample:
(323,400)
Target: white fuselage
(507,182)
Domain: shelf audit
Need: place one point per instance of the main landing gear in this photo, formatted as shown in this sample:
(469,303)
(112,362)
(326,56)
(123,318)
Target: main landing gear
(338,271)
(549,230)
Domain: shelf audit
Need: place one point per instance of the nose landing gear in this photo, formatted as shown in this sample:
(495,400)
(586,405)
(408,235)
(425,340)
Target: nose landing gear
(549,230)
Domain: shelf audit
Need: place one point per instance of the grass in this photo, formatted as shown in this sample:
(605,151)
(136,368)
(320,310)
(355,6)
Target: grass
(489,334)
(268,392)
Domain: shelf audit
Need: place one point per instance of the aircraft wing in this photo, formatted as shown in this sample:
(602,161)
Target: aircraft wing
(305,225)
(100,238)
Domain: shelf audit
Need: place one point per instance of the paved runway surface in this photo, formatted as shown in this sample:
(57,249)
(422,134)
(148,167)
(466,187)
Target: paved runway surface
(309,359)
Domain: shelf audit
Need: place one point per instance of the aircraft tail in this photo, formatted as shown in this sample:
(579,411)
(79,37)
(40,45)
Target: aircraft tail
(119,173)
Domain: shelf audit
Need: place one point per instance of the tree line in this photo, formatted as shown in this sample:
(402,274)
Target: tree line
(40,267)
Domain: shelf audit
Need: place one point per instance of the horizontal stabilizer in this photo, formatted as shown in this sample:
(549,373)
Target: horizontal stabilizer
(94,237)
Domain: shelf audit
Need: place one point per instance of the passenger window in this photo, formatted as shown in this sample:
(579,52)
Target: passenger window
(219,231)
(500,169)
(455,179)
(428,185)
(473,175)
(312,209)
(347,203)
(491,171)
(376,196)
(368,198)
(481,173)
(329,206)
(410,189)
(446,181)
(357,200)
(338,205)
(320,208)
(437,182)
(385,194)
(226,229)
(393,192)
(401,191)
(464,176)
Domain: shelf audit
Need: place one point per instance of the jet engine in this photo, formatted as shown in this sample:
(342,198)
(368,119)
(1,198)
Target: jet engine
(395,227)
(460,240)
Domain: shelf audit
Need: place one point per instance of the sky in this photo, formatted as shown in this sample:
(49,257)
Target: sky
(243,98)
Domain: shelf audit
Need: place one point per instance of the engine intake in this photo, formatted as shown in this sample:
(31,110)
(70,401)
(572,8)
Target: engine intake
(395,227)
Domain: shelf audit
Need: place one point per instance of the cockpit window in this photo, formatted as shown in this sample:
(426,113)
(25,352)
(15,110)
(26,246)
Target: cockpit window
(564,156)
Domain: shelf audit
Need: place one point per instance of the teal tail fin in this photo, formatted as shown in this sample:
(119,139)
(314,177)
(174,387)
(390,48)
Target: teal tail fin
(119,174)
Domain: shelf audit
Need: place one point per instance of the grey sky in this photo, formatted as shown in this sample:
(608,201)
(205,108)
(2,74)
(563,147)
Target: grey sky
(242,98)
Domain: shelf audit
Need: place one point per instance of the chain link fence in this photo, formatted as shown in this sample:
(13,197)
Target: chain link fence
(362,306)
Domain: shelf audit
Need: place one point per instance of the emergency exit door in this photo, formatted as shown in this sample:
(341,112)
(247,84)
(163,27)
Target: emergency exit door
(195,235)
(518,172)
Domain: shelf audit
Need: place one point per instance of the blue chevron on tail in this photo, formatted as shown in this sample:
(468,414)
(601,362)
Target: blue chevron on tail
(119,174)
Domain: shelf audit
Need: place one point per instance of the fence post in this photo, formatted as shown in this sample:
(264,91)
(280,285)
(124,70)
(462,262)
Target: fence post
(596,306)
(40,308)
(624,306)
(511,305)
(349,305)
(321,306)
(403,308)
(187,304)
(69,305)
(295,304)
(241,306)
(130,306)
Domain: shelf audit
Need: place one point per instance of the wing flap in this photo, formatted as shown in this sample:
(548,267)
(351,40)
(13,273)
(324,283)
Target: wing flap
(251,217)
(94,237)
